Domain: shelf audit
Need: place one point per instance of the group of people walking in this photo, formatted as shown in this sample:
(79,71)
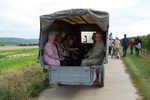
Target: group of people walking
(133,44)
(114,46)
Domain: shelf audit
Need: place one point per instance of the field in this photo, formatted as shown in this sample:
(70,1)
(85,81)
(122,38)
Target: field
(10,59)
(21,76)
(139,69)
(16,47)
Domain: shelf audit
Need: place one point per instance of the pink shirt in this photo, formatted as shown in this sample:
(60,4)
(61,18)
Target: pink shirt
(50,54)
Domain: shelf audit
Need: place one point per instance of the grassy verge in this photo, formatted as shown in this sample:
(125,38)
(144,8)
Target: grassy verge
(22,83)
(139,69)
(21,76)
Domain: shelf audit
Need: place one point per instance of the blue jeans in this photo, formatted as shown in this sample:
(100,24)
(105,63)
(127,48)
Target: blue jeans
(137,51)
(131,50)
(124,51)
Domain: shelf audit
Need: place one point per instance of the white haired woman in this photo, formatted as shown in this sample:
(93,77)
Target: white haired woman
(50,51)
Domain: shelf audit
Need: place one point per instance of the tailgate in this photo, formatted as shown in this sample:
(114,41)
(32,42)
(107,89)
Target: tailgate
(76,74)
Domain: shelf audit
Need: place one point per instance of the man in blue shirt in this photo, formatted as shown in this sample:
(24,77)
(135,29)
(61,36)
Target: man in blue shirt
(125,44)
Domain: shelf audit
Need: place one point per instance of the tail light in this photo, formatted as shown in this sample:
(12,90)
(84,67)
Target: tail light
(97,71)
(45,70)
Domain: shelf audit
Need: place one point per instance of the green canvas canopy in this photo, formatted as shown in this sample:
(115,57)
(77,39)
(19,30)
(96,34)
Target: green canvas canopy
(77,16)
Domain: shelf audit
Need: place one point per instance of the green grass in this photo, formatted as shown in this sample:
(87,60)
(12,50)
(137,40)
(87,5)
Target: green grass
(9,61)
(18,51)
(15,63)
(139,69)
(22,83)
(21,76)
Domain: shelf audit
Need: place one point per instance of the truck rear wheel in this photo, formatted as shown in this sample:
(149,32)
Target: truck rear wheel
(61,85)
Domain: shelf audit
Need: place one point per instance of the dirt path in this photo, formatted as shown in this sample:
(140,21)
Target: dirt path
(118,86)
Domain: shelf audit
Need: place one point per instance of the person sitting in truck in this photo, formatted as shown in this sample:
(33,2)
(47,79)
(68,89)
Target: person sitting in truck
(90,51)
(73,51)
(51,56)
(97,55)
(60,46)
(69,51)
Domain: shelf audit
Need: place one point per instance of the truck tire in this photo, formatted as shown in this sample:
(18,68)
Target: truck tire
(60,85)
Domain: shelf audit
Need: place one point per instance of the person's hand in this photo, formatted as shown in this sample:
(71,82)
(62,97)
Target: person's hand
(61,58)
(86,55)
(74,49)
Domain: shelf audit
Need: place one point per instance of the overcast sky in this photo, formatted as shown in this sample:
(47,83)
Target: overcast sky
(20,18)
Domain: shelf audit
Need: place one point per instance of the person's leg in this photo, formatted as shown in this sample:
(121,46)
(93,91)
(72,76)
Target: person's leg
(130,50)
(84,62)
(76,62)
(136,51)
(113,53)
(90,62)
(63,63)
(123,51)
(110,49)
(70,61)
(117,53)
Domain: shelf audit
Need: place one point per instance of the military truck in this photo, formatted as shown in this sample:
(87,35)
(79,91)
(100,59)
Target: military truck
(76,22)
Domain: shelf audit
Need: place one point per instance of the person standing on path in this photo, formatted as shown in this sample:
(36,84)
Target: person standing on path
(117,47)
(125,44)
(140,44)
(110,43)
(137,46)
(131,44)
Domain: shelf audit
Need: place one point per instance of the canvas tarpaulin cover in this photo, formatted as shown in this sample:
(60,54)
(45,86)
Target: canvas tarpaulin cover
(99,17)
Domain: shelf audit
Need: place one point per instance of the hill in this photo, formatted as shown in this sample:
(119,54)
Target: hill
(17,41)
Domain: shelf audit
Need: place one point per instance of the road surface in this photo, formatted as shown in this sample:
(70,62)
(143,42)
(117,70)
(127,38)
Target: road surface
(118,86)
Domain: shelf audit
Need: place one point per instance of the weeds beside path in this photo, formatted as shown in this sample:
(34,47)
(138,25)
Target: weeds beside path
(139,69)
(21,77)
(22,83)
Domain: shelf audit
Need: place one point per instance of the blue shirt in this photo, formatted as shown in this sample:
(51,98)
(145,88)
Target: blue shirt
(125,42)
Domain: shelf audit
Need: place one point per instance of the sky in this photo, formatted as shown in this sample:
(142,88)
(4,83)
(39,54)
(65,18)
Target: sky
(20,18)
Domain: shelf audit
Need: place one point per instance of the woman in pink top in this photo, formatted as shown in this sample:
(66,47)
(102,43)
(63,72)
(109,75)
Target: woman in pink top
(50,52)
